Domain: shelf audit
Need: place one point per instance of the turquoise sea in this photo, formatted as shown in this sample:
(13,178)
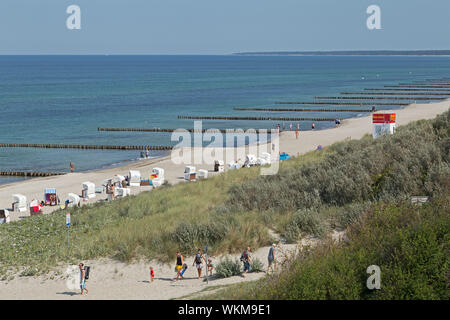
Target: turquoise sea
(63,99)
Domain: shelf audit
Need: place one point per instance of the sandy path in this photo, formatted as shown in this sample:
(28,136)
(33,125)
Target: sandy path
(114,280)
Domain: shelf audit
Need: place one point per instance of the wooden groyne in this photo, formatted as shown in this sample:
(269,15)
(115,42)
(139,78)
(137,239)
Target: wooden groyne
(79,146)
(173,130)
(408,89)
(399,93)
(348,103)
(419,86)
(379,98)
(30,174)
(303,110)
(427,83)
(256,118)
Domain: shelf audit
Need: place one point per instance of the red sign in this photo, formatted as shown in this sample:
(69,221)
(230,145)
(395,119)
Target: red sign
(383,118)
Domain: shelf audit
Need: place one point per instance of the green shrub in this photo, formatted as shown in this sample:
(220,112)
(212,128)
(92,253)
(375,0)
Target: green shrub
(227,268)
(304,222)
(388,168)
(410,244)
(350,213)
(257,265)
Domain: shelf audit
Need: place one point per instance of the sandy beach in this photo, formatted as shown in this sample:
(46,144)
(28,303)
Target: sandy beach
(114,280)
(353,128)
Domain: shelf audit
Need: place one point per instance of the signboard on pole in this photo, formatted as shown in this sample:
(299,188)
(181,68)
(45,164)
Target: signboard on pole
(68,228)
(383,123)
(68,219)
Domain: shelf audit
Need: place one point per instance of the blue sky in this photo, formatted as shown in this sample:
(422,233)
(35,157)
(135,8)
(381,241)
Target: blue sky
(219,27)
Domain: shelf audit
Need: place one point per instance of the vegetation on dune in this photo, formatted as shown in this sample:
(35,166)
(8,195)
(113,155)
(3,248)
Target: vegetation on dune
(311,194)
(152,225)
(337,189)
(410,243)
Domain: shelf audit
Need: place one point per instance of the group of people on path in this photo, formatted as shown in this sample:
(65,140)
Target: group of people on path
(246,259)
(199,259)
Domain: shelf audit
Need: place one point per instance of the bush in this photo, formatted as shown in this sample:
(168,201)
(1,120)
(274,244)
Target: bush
(227,268)
(257,265)
(350,213)
(388,168)
(409,243)
(304,222)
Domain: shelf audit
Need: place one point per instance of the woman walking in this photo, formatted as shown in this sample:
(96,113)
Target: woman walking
(179,265)
(198,262)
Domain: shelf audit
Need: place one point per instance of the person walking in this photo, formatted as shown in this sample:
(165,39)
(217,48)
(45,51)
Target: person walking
(210,266)
(290,127)
(72,166)
(83,278)
(272,262)
(152,274)
(247,260)
(179,265)
(313,126)
(296,133)
(198,262)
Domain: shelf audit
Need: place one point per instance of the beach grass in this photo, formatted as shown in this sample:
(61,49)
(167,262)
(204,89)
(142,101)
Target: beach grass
(151,225)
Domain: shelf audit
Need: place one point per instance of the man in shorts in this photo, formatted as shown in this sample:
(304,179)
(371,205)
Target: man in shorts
(83,279)
(272,263)
(247,260)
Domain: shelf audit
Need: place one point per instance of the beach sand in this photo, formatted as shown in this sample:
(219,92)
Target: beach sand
(115,280)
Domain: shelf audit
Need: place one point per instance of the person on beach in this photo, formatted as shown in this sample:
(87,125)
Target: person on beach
(296,133)
(198,262)
(112,191)
(72,166)
(313,126)
(290,127)
(298,126)
(83,278)
(247,260)
(210,266)
(152,274)
(147,153)
(179,265)
(272,262)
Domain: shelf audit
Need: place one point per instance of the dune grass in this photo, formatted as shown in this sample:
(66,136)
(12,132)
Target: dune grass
(151,225)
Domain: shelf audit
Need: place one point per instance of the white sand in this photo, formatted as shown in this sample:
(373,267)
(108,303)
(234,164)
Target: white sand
(107,284)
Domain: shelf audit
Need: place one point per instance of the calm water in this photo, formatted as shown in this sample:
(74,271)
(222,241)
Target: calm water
(63,99)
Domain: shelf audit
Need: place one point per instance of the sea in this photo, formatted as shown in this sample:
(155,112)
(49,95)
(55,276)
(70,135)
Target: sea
(64,99)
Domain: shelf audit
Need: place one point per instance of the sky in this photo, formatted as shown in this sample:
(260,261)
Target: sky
(220,27)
